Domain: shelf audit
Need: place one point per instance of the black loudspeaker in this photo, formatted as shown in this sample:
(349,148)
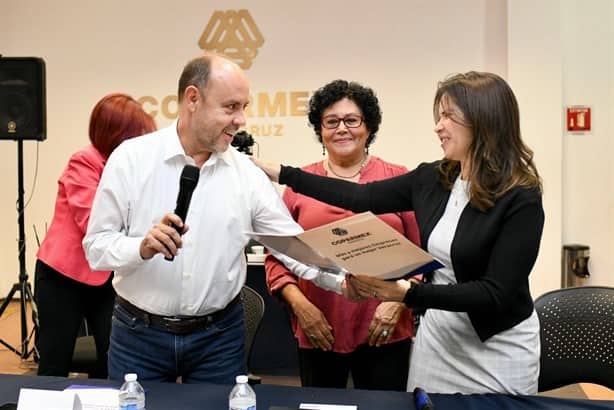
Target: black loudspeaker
(22,99)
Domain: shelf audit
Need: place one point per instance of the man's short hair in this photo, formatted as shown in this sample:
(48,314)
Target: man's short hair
(195,73)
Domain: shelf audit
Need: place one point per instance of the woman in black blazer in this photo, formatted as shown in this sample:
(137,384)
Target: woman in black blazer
(479,211)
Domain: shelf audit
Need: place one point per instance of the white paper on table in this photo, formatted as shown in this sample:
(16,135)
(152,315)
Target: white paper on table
(315,406)
(101,398)
(36,399)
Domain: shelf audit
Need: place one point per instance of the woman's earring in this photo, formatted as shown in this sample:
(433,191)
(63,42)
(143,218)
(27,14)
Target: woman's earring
(367,150)
(323,150)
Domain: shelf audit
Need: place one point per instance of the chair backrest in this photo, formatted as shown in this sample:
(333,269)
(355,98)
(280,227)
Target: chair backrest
(253,307)
(577,336)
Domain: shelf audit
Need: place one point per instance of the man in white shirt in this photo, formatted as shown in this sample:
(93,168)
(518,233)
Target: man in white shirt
(184,318)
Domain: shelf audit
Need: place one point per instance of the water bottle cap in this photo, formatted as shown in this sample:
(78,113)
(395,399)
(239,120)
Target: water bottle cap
(130,377)
(241,379)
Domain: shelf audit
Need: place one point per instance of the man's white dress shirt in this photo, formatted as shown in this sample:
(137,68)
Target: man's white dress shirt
(139,186)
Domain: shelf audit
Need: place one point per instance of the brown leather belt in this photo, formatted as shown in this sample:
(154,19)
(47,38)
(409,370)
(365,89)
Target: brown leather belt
(178,324)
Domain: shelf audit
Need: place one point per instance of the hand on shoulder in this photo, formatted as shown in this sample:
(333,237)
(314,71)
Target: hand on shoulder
(270,168)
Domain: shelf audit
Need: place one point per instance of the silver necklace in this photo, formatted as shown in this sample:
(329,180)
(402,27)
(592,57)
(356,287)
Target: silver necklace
(362,165)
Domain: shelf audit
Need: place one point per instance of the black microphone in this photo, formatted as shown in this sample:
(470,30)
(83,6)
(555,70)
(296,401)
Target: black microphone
(422,400)
(187,183)
(243,142)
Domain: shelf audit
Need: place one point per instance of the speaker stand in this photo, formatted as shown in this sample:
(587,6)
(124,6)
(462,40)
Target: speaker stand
(22,286)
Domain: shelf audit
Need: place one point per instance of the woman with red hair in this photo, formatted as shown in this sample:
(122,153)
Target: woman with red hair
(67,290)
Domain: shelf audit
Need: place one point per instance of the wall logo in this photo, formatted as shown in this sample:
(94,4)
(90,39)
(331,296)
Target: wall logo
(234,34)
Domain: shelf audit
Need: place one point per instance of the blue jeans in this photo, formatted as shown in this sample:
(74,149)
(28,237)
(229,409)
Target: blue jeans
(213,354)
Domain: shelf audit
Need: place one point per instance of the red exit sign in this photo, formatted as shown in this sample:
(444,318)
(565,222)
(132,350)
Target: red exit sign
(578,118)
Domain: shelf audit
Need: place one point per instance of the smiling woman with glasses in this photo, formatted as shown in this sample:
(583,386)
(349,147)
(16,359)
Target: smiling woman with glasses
(335,336)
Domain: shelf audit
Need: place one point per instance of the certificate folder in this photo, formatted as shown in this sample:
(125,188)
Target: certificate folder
(360,244)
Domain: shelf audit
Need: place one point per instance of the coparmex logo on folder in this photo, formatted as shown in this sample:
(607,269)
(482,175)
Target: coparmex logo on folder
(339,231)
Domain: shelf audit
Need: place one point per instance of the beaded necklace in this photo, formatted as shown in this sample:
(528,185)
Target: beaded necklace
(362,165)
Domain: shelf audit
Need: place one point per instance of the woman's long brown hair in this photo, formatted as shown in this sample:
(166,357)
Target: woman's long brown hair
(499,158)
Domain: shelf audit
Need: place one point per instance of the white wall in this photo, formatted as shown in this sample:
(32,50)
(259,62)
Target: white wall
(560,54)
(535,75)
(401,49)
(588,175)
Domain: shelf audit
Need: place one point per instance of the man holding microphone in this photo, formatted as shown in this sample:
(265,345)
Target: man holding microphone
(184,317)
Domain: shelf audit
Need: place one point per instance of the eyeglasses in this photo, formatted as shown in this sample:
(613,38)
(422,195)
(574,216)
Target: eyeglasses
(350,121)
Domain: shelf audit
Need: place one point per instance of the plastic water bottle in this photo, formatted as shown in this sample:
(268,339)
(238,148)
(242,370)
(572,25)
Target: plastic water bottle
(131,394)
(242,396)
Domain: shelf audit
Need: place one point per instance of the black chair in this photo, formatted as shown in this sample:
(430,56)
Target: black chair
(253,307)
(577,336)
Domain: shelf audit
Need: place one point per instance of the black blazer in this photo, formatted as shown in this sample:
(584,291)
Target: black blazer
(493,252)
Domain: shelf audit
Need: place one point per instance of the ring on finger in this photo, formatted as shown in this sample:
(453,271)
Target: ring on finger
(384,333)
(312,336)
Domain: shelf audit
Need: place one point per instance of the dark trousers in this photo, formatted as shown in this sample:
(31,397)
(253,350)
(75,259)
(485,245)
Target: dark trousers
(373,368)
(63,303)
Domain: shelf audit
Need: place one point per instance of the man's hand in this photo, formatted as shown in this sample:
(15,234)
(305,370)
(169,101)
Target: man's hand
(270,168)
(163,238)
(349,290)
(369,287)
